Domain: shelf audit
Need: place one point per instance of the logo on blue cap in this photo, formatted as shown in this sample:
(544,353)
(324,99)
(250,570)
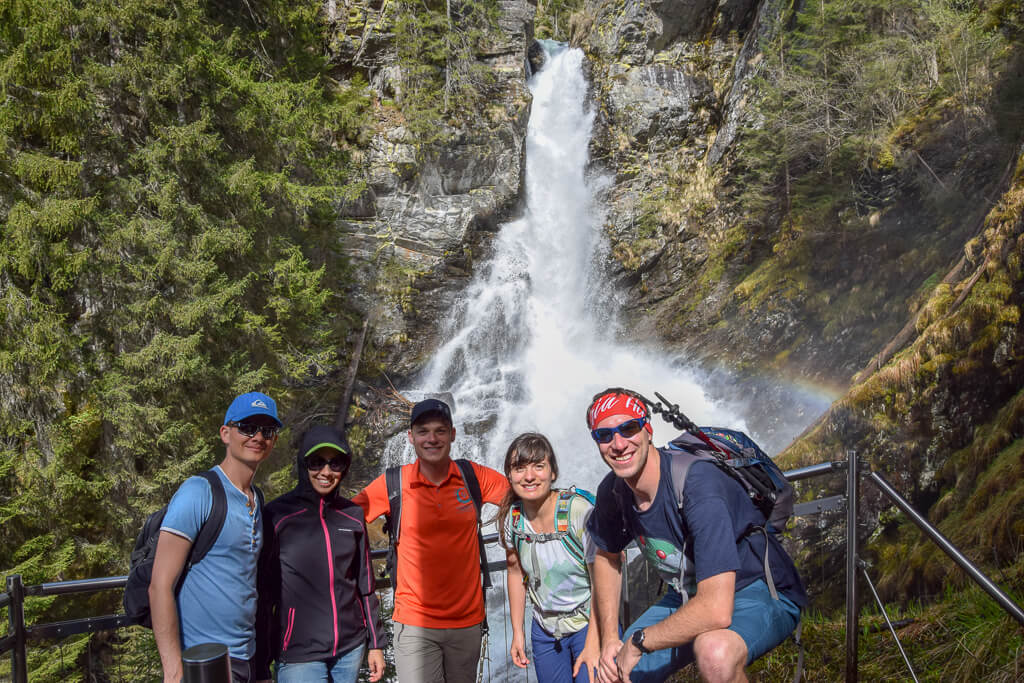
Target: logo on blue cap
(249,404)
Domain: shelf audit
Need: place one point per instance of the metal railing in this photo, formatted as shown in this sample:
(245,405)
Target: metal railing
(20,634)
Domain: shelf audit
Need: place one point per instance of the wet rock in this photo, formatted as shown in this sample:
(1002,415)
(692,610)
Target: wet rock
(536,56)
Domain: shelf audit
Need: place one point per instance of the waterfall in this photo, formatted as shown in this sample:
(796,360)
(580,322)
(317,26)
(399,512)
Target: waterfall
(535,334)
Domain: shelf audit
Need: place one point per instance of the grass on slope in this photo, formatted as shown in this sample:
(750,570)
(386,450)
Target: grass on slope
(963,637)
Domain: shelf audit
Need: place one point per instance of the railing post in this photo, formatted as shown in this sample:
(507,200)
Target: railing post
(852,602)
(16,618)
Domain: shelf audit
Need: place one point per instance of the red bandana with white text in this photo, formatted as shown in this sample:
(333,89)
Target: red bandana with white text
(616,404)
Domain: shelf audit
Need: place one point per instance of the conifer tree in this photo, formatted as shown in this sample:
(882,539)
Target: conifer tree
(168,177)
(438,43)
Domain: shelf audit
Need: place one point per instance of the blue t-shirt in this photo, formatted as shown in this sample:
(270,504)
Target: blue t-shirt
(217,600)
(715,517)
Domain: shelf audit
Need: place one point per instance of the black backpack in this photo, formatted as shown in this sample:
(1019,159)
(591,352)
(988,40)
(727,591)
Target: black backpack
(738,456)
(743,460)
(136,590)
(392,524)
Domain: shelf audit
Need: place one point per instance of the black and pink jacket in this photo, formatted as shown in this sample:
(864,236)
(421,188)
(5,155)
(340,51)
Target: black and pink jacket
(316,591)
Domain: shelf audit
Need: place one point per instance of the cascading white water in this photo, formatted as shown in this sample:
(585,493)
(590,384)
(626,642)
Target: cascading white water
(534,336)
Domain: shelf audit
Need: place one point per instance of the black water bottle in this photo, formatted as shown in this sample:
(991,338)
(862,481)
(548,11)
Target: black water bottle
(206,663)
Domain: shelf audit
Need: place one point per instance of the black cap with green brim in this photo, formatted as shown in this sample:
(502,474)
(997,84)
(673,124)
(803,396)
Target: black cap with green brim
(321,436)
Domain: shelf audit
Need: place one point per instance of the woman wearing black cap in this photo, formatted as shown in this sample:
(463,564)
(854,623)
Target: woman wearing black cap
(318,612)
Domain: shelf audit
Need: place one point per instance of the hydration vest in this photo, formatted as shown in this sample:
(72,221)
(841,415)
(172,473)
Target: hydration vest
(561,533)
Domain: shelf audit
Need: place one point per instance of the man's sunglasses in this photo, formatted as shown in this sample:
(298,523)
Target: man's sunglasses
(315,463)
(627,429)
(249,429)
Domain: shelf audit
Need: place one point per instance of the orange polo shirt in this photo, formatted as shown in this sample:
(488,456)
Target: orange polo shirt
(438,556)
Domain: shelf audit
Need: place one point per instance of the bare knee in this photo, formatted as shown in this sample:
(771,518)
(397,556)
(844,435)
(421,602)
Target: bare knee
(721,656)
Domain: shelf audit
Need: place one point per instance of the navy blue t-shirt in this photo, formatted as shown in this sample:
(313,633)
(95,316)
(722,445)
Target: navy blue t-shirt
(716,515)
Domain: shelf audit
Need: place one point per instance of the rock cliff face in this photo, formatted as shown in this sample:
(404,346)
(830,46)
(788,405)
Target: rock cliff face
(428,208)
(912,309)
(942,421)
(675,84)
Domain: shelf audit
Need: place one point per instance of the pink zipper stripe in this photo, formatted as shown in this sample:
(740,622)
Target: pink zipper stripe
(288,631)
(330,573)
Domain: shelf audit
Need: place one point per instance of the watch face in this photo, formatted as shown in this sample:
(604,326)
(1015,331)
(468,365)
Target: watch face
(638,640)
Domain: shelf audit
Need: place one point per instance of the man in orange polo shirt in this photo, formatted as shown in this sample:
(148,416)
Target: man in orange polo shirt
(439,605)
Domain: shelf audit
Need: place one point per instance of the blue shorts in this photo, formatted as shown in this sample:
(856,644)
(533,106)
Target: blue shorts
(760,620)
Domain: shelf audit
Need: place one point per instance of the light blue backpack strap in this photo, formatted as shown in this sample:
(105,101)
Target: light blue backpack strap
(573,545)
(591,498)
(516,527)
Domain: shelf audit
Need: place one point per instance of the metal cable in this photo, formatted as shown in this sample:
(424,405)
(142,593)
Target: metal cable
(863,567)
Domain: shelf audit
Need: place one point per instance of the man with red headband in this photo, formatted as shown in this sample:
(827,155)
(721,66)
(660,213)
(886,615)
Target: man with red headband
(719,610)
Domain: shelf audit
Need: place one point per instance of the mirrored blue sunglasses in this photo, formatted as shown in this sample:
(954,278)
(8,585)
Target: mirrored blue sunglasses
(627,429)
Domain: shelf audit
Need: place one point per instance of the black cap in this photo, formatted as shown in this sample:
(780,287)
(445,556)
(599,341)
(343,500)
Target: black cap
(430,407)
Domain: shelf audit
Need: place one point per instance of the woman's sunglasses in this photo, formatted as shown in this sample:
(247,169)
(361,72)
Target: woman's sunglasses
(315,463)
(627,429)
(249,429)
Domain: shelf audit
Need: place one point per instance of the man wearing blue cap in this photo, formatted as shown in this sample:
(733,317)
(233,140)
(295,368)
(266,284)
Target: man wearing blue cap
(216,601)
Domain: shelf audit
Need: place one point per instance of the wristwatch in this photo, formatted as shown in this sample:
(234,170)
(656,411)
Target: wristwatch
(638,640)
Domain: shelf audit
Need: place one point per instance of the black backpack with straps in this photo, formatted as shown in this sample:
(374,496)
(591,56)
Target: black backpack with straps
(140,573)
(742,459)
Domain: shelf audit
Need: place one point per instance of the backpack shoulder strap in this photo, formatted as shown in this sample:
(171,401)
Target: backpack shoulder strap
(393,518)
(473,485)
(393,481)
(679,464)
(516,525)
(213,524)
(587,495)
(563,527)
(562,510)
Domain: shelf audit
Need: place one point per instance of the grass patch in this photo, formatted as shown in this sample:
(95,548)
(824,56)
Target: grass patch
(964,637)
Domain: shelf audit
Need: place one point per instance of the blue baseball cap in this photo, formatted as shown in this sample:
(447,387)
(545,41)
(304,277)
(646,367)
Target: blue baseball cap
(252,403)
